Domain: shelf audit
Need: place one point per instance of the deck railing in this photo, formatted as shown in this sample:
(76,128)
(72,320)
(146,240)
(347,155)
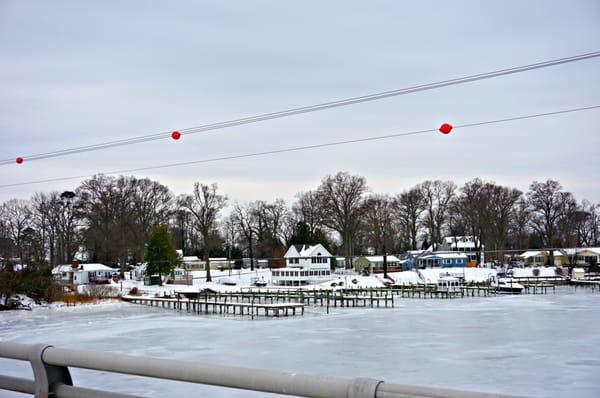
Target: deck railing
(53,379)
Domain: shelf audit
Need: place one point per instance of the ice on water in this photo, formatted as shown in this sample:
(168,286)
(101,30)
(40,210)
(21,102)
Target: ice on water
(532,345)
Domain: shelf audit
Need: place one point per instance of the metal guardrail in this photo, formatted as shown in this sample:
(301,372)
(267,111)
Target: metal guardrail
(53,379)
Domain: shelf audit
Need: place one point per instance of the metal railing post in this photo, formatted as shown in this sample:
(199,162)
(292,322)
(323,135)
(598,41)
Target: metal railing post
(46,377)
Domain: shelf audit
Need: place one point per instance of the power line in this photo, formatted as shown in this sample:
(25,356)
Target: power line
(306,147)
(307,109)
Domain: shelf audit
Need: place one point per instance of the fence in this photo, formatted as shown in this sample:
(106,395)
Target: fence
(53,379)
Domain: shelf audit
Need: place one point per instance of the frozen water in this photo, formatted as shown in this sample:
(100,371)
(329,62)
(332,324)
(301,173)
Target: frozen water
(532,345)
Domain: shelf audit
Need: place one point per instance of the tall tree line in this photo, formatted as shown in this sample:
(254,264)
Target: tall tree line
(109,219)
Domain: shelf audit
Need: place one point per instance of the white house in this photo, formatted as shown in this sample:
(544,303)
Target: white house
(64,273)
(460,243)
(92,273)
(306,265)
(82,274)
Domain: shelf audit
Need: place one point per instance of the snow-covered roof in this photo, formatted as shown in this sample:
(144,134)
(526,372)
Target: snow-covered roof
(94,267)
(379,259)
(532,253)
(307,251)
(589,249)
(461,242)
(405,277)
(445,255)
(528,272)
(59,269)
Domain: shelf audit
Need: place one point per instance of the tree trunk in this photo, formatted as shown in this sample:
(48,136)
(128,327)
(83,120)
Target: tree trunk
(208,277)
(385,271)
(251,252)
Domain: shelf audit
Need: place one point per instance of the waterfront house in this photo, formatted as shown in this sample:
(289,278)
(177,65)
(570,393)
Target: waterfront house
(305,265)
(535,258)
(470,245)
(407,260)
(192,263)
(64,273)
(93,273)
(375,264)
(588,256)
(443,260)
(82,274)
(460,244)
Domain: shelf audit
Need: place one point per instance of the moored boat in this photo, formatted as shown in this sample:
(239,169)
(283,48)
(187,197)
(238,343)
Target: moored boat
(508,286)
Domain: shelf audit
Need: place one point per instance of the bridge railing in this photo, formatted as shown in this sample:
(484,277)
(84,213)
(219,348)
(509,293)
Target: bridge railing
(52,377)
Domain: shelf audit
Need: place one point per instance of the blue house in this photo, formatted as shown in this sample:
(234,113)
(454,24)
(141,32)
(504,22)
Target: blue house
(407,261)
(442,260)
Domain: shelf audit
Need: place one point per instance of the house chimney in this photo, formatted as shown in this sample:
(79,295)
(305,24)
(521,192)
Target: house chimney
(74,264)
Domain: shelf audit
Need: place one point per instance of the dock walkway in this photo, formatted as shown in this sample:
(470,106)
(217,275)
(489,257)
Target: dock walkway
(213,305)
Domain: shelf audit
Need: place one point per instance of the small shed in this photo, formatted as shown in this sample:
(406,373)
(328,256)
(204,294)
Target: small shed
(577,273)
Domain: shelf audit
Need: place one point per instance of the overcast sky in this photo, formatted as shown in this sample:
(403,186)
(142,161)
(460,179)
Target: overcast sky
(76,73)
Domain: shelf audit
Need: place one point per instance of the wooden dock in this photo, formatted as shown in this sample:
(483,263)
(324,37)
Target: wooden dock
(317,297)
(587,283)
(212,305)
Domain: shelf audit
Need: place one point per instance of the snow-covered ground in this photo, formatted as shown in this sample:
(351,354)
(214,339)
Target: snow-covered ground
(528,272)
(532,345)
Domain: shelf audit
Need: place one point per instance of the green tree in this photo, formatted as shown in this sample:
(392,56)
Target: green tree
(160,252)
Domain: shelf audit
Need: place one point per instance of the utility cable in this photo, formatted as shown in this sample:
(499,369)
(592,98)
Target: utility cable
(305,109)
(306,147)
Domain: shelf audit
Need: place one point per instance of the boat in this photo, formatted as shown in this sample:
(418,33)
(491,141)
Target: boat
(258,282)
(508,286)
(448,284)
(227,282)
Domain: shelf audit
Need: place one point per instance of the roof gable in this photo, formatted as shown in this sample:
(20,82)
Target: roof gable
(307,251)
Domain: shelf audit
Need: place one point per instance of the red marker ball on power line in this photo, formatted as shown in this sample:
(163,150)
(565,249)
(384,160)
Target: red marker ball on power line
(19,160)
(176,135)
(446,128)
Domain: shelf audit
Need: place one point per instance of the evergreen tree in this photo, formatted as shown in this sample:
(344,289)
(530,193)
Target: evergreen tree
(160,252)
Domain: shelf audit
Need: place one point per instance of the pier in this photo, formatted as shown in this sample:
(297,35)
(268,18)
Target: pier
(195,303)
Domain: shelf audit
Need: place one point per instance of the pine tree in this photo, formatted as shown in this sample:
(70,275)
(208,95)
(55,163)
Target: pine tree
(160,252)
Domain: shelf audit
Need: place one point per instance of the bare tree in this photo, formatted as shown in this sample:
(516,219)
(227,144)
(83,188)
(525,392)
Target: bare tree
(231,235)
(502,201)
(151,206)
(117,215)
(379,225)
(587,224)
(205,204)
(17,218)
(341,198)
(408,209)
(437,196)
(309,210)
(548,204)
(41,207)
(520,223)
(244,217)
